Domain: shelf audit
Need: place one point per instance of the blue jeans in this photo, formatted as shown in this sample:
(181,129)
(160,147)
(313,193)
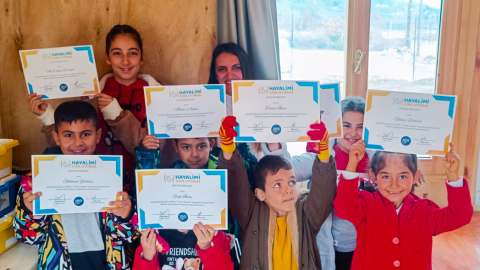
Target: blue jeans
(325,244)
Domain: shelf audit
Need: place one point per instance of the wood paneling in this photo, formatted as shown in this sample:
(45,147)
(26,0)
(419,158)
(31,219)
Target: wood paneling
(459,74)
(178,35)
(358,37)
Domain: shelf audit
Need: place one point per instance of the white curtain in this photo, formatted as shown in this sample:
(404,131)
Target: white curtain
(252,24)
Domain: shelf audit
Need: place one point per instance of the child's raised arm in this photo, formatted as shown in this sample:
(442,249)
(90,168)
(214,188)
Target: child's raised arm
(227,133)
(348,205)
(319,202)
(459,211)
(240,197)
(451,165)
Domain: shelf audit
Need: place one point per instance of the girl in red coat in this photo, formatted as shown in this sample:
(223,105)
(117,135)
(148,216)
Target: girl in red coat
(202,249)
(394,226)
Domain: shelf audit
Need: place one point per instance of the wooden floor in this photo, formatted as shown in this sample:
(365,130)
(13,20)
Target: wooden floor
(458,250)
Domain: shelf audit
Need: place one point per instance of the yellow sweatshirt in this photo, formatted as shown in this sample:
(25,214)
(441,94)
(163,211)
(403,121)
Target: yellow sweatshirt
(282,247)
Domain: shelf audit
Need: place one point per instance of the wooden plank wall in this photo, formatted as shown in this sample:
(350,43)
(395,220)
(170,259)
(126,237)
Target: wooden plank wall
(459,74)
(178,35)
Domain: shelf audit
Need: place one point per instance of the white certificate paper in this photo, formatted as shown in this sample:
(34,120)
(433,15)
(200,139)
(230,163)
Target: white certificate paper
(60,72)
(409,122)
(179,199)
(275,111)
(75,183)
(331,109)
(185,111)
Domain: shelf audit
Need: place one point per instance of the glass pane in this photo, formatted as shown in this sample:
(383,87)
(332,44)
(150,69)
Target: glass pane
(404,38)
(312,36)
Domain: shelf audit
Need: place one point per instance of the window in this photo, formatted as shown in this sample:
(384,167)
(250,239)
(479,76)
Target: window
(312,40)
(312,36)
(401,39)
(403,45)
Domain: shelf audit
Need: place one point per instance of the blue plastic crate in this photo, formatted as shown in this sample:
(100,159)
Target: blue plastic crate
(8,193)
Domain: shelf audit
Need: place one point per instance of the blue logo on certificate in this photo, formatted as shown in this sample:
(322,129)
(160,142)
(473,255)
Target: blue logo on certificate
(78,201)
(276,129)
(406,140)
(63,87)
(182,217)
(187,127)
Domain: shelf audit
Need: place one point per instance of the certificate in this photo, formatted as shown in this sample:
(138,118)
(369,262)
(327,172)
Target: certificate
(185,111)
(331,109)
(178,199)
(75,183)
(409,122)
(365,176)
(60,72)
(275,111)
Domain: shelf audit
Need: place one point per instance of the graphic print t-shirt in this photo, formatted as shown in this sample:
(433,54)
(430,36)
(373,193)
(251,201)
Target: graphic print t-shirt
(182,254)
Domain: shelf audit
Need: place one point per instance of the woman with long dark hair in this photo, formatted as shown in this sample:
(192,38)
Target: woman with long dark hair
(229,62)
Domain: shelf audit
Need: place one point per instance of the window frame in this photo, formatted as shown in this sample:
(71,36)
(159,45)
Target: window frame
(358,38)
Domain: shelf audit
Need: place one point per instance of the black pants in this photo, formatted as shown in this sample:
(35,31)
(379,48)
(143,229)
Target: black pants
(343,260)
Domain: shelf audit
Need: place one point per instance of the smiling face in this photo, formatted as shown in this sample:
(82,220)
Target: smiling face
(280,191)
(227,68)
(352,130)
(77,138)
(395,180)
(126,58)
(194,152)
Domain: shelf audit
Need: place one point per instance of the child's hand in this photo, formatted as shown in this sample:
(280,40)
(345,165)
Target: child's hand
(227,133)
(28,199)
(148,241)
(103,100)
(319,133)
(204,235)
(452,163)
(124,207)
(37,105)
(357,151)
(151,142)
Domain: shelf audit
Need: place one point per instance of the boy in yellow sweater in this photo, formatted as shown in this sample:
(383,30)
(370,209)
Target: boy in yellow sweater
(279,224)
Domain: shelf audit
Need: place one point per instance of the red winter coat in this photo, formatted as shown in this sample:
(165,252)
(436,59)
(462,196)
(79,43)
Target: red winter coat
(215,257)
(386,240)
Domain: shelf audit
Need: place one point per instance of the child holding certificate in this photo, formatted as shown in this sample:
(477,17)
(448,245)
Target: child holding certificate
(195,153)
(121,101)
(280,224)
(200,248)
(76,241)
(394,226)
(337,237)
(188,248)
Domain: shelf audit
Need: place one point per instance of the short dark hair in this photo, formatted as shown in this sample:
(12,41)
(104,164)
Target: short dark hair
(379,161)
(75,110)
(123,29)
(236,50)
(268,165)
(353,104)
(208,138)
